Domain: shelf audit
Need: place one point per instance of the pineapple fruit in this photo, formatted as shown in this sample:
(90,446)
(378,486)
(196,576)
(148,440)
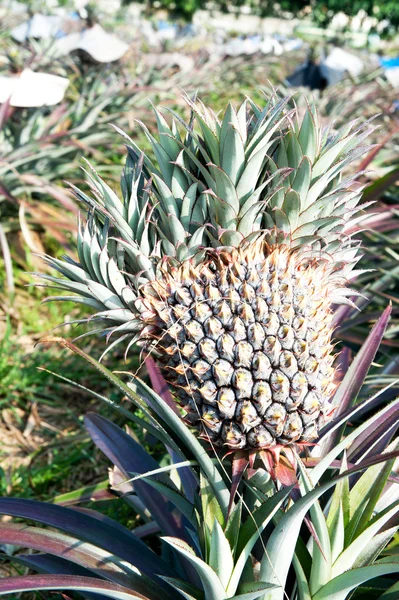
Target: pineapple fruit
(223,259)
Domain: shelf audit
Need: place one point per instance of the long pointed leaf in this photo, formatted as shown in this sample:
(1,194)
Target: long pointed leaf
(100,562)
(281,545)
(326,461)
(339,588)
(131,458)
(47,563)
(354,378)
(353,551)
(35,583)
(251,531)
(213,587)
(116,539)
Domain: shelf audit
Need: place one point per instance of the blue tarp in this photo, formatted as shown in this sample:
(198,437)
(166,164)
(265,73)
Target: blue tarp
(389,63)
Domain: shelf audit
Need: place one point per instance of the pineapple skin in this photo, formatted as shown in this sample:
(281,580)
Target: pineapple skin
(245,338)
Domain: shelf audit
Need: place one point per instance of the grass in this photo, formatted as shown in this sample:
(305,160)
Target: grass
(41,417)
(41,426)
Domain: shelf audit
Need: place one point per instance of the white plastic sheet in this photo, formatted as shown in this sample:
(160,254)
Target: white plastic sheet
(30,89)
(39,27)
(99,45)
(338,63)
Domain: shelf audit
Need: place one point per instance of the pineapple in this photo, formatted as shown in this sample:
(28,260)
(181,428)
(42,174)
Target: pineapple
(223,260)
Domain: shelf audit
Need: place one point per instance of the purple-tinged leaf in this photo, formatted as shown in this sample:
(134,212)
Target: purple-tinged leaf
(188,481)
(326,459)
(358,411)
(374,440)
(354,378)
(313,533)
(310,461)
(385,219)
(239,464)
(368,462)
(355,338)
(161,388)
(112,537)
(343,362)
(131,458)
(46,563)
(100,562)
(147,529)
(35,583)
(100,517)
(59,544)
(159,384)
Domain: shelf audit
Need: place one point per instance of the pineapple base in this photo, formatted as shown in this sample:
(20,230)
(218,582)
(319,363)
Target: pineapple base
(245,339)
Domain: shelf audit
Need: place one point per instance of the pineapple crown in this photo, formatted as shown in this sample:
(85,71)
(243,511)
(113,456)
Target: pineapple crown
(215,184)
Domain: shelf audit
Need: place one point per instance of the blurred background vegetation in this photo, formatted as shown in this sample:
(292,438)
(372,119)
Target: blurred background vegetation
(223,50)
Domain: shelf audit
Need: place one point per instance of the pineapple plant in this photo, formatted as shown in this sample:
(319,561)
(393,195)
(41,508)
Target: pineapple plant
(223,259)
